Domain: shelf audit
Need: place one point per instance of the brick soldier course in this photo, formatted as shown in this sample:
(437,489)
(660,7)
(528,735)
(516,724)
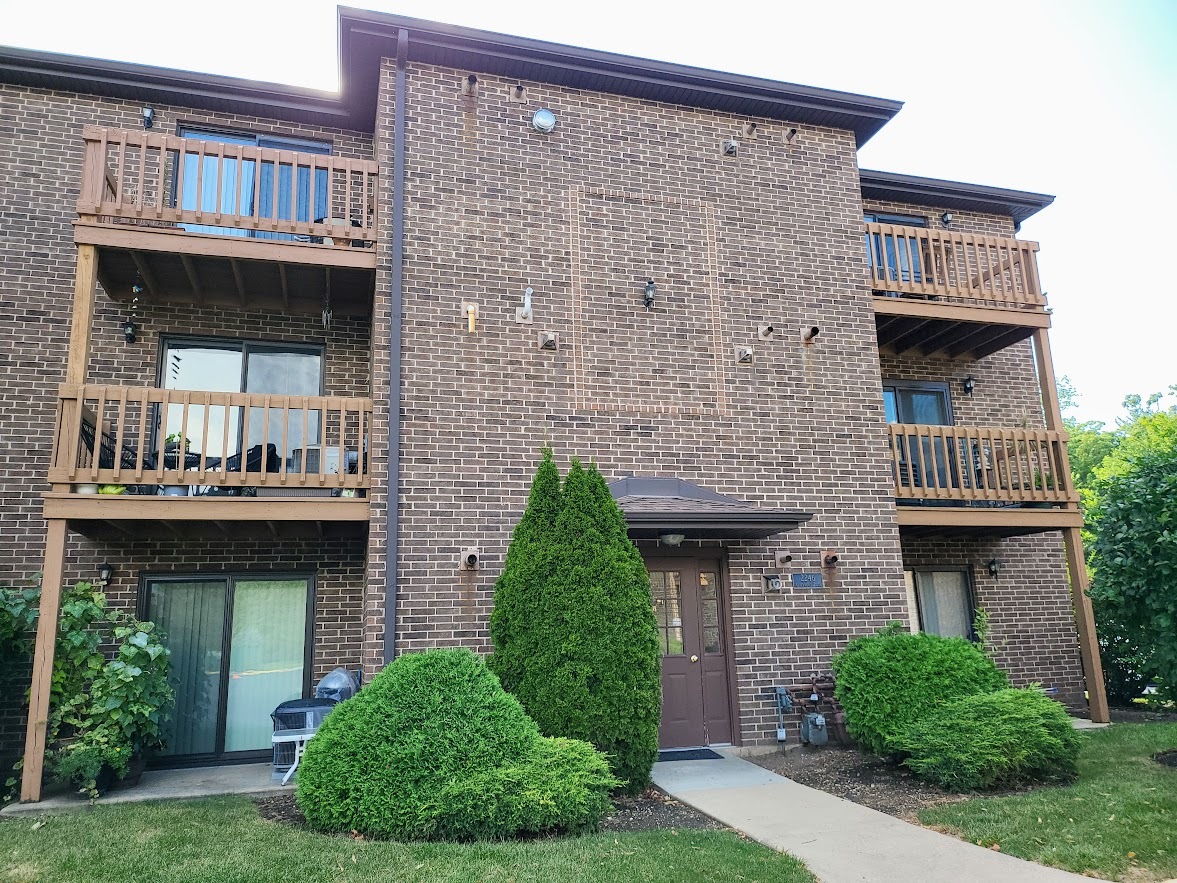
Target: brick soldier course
(628,188)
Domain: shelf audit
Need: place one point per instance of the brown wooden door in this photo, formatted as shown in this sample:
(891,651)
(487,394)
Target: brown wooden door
(688,606)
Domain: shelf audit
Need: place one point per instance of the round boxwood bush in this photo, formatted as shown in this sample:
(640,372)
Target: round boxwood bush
(993,739)
(435,749)
(886,682)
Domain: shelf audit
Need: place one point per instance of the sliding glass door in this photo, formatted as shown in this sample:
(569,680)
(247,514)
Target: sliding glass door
(242,366)
(239,647)
(283,192)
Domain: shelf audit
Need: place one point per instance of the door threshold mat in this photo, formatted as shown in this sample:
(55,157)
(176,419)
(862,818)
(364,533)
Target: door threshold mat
(688,754)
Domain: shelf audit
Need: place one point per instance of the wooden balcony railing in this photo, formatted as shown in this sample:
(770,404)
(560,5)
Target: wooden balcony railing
(980,270)
(159,180)
(966,464)
(211,443)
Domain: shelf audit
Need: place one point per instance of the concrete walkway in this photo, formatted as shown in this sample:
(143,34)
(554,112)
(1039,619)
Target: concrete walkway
(839,840)
(244,778)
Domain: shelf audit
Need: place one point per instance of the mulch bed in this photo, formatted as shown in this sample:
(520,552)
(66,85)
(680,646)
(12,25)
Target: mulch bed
(1168,758)
(1141,716)
(650,811)
(861,778)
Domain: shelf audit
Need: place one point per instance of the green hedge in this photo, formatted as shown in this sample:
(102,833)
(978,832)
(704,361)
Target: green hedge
(435,749)
(993,739)
(573,624)
(887,682)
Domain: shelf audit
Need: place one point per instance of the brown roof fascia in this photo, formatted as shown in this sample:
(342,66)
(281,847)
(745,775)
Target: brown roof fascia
(894,187)
(147,83)
(365,36)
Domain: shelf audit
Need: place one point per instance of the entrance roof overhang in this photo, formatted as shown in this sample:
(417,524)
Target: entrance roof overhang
(657,506)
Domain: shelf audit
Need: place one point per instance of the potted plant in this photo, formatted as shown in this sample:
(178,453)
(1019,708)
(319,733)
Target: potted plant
(178,444)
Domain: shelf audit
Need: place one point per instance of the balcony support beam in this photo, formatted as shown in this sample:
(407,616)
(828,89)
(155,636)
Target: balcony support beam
(1073,545)
(82,316)
(36,731)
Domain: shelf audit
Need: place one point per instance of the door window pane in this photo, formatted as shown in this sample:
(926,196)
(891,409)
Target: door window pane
(926,406)
(212,369)
(192,617)
(666,589)
(266,658)
(944,603)
(280,372)
(709,612)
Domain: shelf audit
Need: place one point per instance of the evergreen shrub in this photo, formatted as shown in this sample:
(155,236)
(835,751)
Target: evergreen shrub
(573,627)
(1009,737)
(435,749)
(887,682)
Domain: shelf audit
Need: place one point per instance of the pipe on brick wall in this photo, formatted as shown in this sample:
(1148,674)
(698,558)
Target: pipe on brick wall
(391,531)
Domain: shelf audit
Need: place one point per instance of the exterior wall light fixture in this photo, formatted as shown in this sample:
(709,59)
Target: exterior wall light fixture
(790,136)
(673,539)
(946,218)
(148,117)
(543,120)
(648,297)
(969,384)
(994,567)
(130,330)
(105,572)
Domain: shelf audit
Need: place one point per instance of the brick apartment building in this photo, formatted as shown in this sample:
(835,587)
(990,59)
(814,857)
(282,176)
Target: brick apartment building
(824,394)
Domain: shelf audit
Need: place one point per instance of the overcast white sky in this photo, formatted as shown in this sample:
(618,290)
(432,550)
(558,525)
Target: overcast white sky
(1074,98)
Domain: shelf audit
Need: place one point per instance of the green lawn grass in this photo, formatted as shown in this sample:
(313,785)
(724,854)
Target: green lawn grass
(224,839)
(1119,817)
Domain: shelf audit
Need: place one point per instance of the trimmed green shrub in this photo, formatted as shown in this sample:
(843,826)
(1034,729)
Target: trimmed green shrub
(577,641)
(993,739)
(435,749)
(887,682)
(519,589)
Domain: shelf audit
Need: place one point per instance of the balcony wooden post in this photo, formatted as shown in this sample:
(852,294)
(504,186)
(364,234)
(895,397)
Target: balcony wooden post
(38,722)
(82,317)
(1073,545)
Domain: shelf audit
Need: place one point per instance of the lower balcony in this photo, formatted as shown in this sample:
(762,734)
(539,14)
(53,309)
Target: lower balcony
(143,462)
(964,480)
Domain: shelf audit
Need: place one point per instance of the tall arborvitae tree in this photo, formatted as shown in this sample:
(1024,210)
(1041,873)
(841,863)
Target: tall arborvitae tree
(593,669)
(525,573)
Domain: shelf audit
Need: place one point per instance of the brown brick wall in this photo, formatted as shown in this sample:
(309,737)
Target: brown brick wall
(622,191)
(40,173)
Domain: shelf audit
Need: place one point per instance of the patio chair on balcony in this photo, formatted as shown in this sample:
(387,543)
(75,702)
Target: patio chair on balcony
(253,462)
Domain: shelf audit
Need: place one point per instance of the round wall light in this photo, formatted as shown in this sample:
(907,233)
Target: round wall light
(543,120)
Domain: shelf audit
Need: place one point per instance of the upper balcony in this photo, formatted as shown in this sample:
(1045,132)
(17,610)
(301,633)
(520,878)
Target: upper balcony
(183,220)
(967,480)
(952,294)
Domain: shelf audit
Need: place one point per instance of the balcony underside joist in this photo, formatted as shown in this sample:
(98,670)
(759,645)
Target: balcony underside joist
(147,517)
(929,521)
(907,326)
(231,272)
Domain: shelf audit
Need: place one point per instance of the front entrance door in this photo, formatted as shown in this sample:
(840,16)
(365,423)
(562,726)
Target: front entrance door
(690,614)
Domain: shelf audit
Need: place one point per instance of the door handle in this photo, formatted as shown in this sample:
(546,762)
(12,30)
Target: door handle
(694,659)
